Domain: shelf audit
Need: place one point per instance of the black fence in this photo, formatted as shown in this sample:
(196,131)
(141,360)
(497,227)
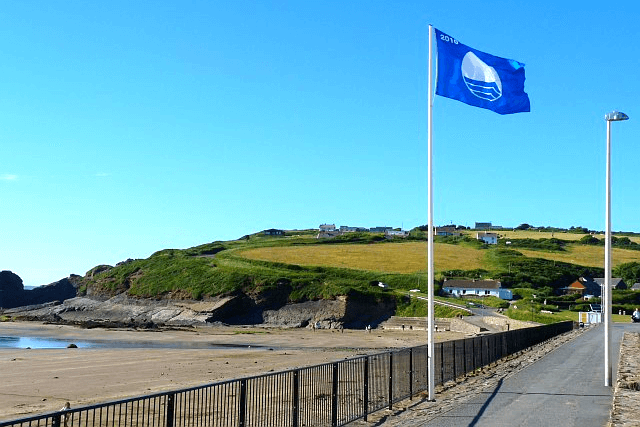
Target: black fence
(332,394)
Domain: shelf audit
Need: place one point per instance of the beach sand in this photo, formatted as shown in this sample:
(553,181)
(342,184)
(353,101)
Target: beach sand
(42,380)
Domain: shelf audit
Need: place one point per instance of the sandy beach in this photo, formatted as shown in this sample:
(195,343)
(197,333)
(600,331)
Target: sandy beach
(42,380)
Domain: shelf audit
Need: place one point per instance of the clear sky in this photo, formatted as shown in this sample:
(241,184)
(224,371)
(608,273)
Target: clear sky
(130,127)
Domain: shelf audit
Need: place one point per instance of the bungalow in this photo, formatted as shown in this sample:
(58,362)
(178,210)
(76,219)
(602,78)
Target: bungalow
(483,226)
(448,230)
(348,229)
(273,232)
(380,229)
(635,287)
(488,238)
(616,283)
(327,227)
(396,233)
(476,288)
(583,286)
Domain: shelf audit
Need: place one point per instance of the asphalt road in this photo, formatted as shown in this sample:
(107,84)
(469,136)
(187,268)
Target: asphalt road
(564,388)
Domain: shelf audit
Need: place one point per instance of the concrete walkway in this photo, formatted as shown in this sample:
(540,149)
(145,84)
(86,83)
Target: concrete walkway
(564,388)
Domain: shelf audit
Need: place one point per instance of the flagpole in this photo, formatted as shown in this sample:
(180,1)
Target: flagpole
(430,354)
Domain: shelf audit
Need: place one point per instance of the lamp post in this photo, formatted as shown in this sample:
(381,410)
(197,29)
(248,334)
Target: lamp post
(614,116)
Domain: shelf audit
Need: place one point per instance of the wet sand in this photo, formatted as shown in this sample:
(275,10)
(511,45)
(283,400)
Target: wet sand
(41,380)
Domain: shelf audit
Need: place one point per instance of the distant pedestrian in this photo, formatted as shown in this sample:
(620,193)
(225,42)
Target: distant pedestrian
(66,417)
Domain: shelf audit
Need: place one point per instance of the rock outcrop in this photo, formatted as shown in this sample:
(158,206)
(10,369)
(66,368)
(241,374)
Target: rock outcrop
(124,311)
(13,294)
(60,302)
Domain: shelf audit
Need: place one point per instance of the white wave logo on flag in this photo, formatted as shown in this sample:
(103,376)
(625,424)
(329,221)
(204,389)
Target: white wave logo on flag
(482,80)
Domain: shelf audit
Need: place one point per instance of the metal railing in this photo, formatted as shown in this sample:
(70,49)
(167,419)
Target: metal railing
(332,394)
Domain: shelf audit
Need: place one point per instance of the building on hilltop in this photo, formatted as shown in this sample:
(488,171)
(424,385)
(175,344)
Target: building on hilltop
(348,229)
(327,227)
(476,288)
(447,230)
(396,233)
(483,226)
(273,232)
(380,229)
(488,238)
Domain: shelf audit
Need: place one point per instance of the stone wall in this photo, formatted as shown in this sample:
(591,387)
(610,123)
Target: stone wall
(626,395)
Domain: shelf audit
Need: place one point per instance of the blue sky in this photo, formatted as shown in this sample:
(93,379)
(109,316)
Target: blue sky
(130,127)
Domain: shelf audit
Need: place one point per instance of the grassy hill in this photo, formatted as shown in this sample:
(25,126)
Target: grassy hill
(353,264)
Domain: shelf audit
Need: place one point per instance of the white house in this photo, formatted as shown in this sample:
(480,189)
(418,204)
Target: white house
(476,288)
(396,233)
(488,238)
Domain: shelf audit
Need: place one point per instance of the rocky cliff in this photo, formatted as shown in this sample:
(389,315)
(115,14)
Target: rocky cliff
(59,303)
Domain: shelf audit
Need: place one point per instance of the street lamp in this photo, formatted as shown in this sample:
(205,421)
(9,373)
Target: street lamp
(614,116)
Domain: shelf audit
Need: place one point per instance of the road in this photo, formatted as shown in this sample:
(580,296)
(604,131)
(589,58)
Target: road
(564,388)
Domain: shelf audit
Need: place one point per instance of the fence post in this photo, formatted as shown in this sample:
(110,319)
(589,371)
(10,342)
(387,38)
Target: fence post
(411,374)
(56,420)
(442,363)
(464,356)
(242,407)
(334,397)
(455,361)
(366,387)
(170,409)
(473,354)
(390,381)
(296,398)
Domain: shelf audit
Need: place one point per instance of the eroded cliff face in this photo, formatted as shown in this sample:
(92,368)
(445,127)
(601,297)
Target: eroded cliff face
(59,302)
(238,309)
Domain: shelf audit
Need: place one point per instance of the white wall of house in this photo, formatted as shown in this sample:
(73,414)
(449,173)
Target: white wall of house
(488,238)
(505,294)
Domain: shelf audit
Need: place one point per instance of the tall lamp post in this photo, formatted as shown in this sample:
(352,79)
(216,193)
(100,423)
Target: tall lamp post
(614,116)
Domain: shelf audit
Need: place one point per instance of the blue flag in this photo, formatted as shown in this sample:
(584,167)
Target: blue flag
(479,79)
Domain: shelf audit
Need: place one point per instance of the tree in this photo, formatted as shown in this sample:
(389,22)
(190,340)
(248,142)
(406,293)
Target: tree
(629,272)
(590,240)
(524,226)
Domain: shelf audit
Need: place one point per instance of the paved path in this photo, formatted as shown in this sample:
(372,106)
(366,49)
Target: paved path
(564,388)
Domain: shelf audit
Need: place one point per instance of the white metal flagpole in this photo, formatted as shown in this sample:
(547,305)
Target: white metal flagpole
(430,272)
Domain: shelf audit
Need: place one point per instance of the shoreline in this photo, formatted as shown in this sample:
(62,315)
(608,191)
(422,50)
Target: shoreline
(42,380)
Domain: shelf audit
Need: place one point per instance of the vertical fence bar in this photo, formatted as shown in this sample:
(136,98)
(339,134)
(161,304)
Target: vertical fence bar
(464,356)
(442,375)
(390,381)
(411,373)
(455,361)
(170,410)
(242,407)
(366,388)
(296,398)
(334,397)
